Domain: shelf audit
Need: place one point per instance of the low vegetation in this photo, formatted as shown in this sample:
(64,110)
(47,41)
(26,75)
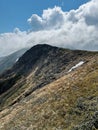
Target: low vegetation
(68,102)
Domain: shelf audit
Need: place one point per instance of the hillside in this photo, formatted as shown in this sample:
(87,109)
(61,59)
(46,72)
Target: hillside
(50,88)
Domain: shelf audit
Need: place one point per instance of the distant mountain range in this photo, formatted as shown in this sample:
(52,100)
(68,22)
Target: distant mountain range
(50,88)
(8,61)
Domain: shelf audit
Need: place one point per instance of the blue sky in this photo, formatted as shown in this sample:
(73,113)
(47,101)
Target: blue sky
(63,23)
(14,13)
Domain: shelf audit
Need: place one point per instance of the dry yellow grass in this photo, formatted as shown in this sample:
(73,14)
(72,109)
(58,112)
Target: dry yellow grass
(55,106)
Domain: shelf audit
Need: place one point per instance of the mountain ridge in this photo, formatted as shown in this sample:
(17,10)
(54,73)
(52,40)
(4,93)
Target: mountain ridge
(45,57)
(47,93)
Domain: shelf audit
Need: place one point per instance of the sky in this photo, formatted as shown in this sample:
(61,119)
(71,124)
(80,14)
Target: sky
(14,13)
(65,23)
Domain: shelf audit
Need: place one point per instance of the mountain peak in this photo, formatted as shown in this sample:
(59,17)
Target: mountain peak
(50,83)
(41,45)
(40,49)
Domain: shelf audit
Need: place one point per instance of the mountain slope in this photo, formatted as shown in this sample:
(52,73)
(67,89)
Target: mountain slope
(39,66)
(70,102)
(8,61)
(1,58)
(43,94)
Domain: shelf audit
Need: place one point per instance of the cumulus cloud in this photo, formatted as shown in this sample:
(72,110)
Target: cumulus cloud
(50,19)
(76,29)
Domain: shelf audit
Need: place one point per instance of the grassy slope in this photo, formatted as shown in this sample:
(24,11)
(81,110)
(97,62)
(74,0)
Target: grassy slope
(46,70)
(68,103)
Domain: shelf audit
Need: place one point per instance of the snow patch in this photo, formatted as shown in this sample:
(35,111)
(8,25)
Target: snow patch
(76,66)
(16,60)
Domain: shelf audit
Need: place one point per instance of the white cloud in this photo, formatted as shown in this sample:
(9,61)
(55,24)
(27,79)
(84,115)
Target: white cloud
(77,29)
(50,19)
(10,42)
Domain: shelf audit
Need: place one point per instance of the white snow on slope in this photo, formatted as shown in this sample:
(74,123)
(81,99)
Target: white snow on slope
(76,66)
(16,60)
